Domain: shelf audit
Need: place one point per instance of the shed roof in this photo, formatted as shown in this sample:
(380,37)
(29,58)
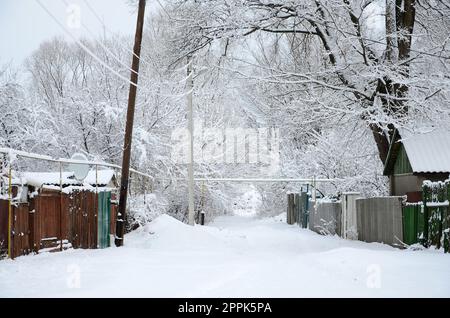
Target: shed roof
(101,177)
(427,152)
(38,179)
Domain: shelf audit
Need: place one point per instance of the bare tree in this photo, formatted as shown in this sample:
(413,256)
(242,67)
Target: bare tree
(386,85)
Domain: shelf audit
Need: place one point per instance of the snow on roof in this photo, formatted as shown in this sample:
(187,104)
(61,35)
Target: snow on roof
(428,152)
(38,179)
(101,177)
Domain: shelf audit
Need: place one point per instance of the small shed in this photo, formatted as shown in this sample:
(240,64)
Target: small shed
(82,215)
(414,158)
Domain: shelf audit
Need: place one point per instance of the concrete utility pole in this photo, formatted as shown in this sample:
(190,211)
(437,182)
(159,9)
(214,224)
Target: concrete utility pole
(121,217)
(190,86)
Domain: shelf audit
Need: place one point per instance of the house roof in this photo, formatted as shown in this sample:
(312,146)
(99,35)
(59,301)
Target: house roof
(38,179)
(427,152)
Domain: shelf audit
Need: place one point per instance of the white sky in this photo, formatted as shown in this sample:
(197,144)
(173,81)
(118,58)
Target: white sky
(24,24)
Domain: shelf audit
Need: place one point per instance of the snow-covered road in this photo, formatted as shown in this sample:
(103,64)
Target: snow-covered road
(232,257)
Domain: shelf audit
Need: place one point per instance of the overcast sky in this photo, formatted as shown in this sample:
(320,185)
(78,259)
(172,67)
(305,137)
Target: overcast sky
(24,24)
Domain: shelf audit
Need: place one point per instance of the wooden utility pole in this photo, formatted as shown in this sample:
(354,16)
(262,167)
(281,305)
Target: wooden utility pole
(121,217)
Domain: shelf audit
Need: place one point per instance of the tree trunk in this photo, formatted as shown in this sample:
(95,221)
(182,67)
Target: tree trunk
(398,49)
(381,140)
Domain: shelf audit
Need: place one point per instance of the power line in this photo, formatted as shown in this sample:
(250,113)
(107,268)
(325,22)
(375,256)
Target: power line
(102,45)
(105,27)
(124,48)
(99,60)
(127,49)
(84,47)
(111,32)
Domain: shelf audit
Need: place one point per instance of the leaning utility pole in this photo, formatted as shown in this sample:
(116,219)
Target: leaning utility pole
(121,216)
(190,87)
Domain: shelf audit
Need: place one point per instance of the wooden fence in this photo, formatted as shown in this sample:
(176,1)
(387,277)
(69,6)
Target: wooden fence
(20,229)
(3,227)
(52,218)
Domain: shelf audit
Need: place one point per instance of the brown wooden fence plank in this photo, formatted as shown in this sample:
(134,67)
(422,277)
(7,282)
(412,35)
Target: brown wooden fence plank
(20,229)
(3,226)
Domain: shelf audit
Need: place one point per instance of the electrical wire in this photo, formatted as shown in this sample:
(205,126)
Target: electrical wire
(99,60)
(84,47)
(105,27)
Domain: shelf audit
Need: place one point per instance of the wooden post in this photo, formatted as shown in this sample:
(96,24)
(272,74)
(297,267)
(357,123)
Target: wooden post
(290,210)
(10,253)
(60,206)
(287,209)
(121,215)
(202,204)
(202,217)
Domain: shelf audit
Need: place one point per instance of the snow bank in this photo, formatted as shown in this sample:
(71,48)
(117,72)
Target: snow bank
(167,232)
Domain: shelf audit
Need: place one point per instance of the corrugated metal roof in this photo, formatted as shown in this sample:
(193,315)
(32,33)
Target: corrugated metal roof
(428,152)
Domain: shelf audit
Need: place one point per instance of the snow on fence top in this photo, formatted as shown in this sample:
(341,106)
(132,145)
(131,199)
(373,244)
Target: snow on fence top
(38,179)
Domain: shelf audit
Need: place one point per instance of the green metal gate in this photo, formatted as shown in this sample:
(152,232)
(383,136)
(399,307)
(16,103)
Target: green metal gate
(413,224)
(104,213)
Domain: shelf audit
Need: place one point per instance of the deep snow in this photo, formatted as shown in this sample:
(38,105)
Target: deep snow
(232,257)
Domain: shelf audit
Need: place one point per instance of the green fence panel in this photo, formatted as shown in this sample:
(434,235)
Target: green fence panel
(445,229)
(446,222)
(104,213)
(434,227)
(426,196)
(436,218)
(410,224)
(304,209)
(447,241)
(420,223)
